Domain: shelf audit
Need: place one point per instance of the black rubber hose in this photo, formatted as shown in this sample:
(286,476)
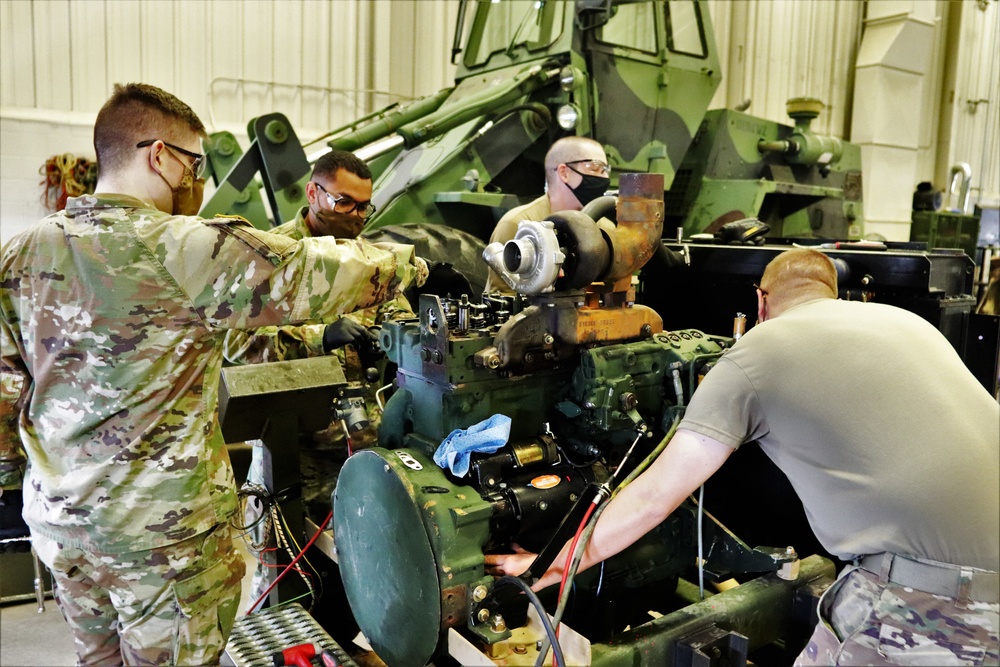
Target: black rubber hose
(542,614)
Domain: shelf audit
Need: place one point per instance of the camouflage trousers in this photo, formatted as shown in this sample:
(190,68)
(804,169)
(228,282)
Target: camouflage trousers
(173,605)
(865,622)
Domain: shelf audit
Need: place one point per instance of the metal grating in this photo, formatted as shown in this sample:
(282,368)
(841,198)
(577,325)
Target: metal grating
(255,638)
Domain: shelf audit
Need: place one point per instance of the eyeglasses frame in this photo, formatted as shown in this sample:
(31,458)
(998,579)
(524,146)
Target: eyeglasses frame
(197,167)
(369,206)
(605,168)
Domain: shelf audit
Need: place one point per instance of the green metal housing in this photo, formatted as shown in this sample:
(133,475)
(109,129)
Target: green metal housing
(726,176)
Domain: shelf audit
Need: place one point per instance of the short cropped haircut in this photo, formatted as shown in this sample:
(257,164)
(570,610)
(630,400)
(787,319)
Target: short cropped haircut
(136,112)
(799,274)
(566,149)
(330,163)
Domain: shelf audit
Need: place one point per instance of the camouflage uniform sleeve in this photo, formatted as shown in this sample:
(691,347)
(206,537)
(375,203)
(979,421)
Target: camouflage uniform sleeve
(273,344)
(397,309)
(238,277)
(14,383)
(403,252)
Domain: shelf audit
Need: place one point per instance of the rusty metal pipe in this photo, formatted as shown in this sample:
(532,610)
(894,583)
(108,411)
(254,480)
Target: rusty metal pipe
(640,224)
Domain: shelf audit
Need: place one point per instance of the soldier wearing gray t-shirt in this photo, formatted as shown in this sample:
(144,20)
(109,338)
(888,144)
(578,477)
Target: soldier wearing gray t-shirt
(888,439)
(892,446)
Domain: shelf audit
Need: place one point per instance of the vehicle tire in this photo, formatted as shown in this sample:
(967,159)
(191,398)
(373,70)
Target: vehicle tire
(437,243)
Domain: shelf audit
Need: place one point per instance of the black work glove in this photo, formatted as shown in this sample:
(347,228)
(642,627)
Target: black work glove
(346,331)
(749,231)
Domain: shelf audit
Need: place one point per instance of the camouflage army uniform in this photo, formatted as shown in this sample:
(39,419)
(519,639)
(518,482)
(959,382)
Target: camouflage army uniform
(12,460)
(323,453)
(866,619)
(115,314)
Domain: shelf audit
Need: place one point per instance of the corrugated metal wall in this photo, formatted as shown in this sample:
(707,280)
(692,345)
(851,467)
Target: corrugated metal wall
(969,105)
(231,60)
(779,49)
(320,62)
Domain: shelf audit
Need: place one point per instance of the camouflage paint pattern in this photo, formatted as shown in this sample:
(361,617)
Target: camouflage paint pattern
(864,622)
(724,177)
(173,605)
(116,312)
(637,91)
(644,73)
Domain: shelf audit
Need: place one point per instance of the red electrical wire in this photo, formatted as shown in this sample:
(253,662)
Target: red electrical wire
(290,565)
(569,560)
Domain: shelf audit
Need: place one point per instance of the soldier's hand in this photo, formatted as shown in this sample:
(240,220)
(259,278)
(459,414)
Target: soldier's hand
(346,331)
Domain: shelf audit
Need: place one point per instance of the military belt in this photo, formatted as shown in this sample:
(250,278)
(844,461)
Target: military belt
(954,581)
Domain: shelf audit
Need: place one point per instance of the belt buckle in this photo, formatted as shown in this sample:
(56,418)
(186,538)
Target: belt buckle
(964,585)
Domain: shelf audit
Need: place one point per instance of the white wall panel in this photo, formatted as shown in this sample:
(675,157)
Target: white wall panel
(17,79)
(192,52)
(773,50)
(349,36)
(26,144)
(225,59)
(157,45)
(286,34)
(65,55)
(88,54)
(52,55)
(976,100)
(257,49)
(123,60)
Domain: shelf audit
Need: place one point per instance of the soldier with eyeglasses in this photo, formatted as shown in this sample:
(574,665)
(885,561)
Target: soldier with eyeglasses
(576,173)
(339,196)
(113,314)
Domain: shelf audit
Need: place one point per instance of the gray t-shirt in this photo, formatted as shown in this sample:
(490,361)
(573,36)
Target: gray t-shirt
(888,439)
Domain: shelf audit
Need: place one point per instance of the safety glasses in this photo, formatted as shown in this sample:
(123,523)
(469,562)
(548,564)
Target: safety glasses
(199,165)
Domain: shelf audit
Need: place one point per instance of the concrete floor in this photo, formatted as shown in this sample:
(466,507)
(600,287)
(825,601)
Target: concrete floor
(32,639)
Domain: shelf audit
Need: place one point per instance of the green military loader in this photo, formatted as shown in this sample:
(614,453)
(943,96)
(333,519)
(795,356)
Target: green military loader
(637,76)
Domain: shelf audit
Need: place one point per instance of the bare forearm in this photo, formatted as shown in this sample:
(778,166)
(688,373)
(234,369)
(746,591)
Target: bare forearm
(685,464)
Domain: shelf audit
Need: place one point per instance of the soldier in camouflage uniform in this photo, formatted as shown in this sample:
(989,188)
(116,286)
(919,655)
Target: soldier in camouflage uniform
(889,441)
(112,315)
(339,194)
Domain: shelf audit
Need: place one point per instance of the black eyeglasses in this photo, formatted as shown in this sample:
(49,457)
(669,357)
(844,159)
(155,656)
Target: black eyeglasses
(198,166)
(592,167)
(345,205)
(763,292)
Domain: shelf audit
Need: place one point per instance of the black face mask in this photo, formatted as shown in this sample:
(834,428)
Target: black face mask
(590,188)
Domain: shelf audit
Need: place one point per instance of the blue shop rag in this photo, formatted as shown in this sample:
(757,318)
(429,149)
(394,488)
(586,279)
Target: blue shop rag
(455,452)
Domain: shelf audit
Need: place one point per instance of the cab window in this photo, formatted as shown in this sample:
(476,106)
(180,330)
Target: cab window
(632,26)
(685,31)
(509,25)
